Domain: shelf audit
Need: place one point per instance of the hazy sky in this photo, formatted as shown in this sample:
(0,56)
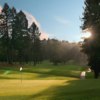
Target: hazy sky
(58,19)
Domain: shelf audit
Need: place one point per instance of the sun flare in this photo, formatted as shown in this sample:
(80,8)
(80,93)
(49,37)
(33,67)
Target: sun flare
(87,34)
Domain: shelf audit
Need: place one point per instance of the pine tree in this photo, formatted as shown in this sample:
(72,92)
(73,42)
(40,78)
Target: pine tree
(91,22)
(17,42)
(36,55)
(6,32)
(21,37)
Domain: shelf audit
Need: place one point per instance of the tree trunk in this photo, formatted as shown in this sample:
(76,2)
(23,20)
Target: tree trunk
(96,74)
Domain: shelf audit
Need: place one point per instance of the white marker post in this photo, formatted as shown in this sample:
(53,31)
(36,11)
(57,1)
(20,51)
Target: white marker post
(82,75)
(21,73)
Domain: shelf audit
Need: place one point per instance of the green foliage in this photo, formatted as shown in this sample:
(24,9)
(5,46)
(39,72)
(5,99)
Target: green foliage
(5,30)
(21,43)
(63,52)
(36,44)
(91,22)
(16,39)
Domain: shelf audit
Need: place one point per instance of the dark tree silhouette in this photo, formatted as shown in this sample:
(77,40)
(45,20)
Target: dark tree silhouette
(16,39)
(91,22)
(36,54)
(6,19)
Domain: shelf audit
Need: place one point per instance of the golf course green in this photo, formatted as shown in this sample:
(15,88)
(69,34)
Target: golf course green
(47,82)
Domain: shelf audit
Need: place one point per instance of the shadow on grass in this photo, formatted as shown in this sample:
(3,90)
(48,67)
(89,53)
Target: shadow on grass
(24,97)
(53,73)
(50,74)
(71,90)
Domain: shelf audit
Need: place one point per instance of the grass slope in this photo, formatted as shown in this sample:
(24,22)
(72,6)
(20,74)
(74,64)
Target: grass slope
(47,82)
(41,71)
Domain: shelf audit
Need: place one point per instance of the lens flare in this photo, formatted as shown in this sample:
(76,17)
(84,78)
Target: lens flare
(87,34)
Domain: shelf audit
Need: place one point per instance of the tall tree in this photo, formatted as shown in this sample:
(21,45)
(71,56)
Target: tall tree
(6,31)
(21,38)
(13,51)
(17,42)
(36,55)
(91,22)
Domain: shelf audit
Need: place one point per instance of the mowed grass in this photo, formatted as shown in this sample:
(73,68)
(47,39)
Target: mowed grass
(47,82)
(42,71)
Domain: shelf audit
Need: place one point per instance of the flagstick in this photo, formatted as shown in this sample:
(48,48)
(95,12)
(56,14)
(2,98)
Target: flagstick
(21,73)
(21,77)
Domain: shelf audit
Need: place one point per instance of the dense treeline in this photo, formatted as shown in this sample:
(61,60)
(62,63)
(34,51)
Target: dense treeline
(20,43)
(63,52)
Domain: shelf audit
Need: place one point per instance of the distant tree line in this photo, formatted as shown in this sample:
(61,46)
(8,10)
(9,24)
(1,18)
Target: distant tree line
(63,52)
(20,43)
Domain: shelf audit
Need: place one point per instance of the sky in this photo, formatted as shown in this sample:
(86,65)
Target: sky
(59,19)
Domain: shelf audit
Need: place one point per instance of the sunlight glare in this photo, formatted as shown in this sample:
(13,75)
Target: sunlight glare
(87,35)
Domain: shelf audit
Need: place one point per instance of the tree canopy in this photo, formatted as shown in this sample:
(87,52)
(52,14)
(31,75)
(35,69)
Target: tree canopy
(91,22)
(20,43)
(16,39)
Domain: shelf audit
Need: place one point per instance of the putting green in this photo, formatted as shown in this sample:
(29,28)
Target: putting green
(26,87)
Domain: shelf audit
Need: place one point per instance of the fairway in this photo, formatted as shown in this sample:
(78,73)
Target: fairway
(27,89)
(71,89)
(47,82)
